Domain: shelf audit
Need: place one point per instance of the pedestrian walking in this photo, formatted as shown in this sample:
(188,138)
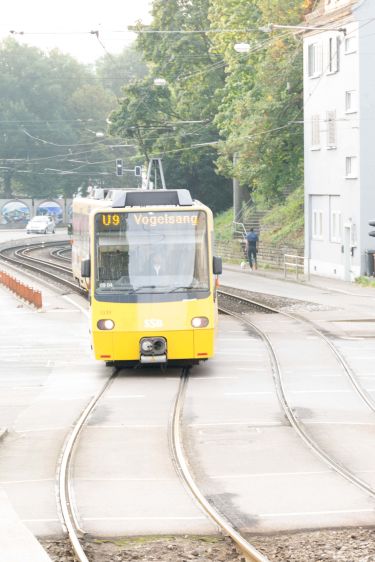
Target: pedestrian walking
(251,247)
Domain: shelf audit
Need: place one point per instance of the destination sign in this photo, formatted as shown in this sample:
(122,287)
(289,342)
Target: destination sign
(117,221)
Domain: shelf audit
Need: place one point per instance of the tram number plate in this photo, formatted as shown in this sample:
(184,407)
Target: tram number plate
(153,323)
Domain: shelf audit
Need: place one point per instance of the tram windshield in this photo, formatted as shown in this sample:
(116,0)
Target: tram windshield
(151,253)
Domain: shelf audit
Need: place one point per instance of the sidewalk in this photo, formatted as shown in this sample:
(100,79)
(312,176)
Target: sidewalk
(18,544)
(316,281)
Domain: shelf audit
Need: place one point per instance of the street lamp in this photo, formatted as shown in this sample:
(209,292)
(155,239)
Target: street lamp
(242,47)
(98,134)
(160,82)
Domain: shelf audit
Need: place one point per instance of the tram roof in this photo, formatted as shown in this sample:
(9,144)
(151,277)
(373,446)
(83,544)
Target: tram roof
(146,197)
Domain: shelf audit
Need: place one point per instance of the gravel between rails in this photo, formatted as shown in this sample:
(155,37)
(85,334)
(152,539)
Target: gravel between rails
(278,303)
(147,549)
(326,545)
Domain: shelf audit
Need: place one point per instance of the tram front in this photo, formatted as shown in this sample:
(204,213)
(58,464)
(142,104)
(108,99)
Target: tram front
(152,287)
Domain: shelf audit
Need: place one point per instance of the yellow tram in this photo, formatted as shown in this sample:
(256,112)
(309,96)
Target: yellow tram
(146,258)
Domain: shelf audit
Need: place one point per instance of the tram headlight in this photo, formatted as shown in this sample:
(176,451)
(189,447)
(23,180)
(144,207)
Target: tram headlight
(199,322)
(106,324)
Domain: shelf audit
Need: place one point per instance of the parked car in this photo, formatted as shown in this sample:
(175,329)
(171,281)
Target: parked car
(41,225)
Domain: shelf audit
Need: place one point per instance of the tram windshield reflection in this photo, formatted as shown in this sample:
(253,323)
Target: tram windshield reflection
(151,252)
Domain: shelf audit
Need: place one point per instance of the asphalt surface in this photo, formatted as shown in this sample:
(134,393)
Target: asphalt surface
(243,452)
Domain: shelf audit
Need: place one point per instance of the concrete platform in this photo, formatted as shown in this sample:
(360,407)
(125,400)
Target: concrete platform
(17,543)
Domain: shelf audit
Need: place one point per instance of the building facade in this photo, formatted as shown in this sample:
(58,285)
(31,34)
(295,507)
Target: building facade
(339,127)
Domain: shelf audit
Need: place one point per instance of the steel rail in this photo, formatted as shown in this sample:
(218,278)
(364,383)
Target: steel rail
(21,262)
(59,253)
(22,253)
(293,419)
(341,359)
(64,471)
(247,549)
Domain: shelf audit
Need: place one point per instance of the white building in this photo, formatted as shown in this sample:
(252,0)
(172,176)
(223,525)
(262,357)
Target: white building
(339,126)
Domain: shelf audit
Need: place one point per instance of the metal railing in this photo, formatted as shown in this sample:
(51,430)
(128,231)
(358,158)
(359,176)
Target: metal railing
(297,264)
(239,228)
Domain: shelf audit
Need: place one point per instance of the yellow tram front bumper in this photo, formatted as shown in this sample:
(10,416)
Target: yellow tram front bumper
(195,344)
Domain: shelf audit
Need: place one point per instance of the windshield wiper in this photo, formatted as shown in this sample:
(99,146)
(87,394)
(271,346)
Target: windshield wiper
(142,287)
(187,287)
(179,288)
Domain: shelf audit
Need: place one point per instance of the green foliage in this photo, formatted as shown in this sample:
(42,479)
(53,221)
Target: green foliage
(175,122)
(116,71)
(262,107)
(365,281)
(49,106)
(223,225)
(53,136)
(284,223)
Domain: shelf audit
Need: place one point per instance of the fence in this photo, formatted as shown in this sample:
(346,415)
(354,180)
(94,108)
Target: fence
(23,291)
(269,255)
(296,263)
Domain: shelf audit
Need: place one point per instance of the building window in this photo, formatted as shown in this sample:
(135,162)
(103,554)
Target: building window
(351,167)
(331,129)
(317,225)
(351,101)
(315,132)
(333,54)
(350,44)
(336,226)
(314,60)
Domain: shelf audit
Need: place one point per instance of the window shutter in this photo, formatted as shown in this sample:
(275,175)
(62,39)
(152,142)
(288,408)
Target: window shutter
(331,128)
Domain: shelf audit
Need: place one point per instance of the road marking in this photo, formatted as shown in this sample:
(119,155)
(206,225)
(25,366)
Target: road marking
(251,393)
(250,368)
(269,474)
(255,423)
(83,479)
(76,305)
(311,513)
(154,518)
(336,422)
(192,378)
(325,376)
(7,482)
(236,353)
(114,397)
(328,391)
(224,339)
(41,521)
(125,426)
(34,430)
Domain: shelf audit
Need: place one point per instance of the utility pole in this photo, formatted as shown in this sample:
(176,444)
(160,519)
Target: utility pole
(239,195)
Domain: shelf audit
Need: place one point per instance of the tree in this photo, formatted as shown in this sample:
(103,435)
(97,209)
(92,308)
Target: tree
(262,106)
(175,122)
(51,108)
(116,71)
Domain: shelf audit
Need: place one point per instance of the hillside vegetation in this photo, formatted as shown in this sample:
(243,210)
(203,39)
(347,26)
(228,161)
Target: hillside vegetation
(282,224)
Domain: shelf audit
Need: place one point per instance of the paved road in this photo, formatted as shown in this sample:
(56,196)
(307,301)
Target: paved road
(240,443)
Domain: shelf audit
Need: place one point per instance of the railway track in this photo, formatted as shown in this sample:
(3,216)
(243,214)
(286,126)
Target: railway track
(19,256)
(230,303)
(289,411)
(70,518)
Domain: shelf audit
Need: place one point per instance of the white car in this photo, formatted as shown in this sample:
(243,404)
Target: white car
(41,225)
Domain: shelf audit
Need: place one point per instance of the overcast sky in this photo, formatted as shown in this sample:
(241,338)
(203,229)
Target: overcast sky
(48,24)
